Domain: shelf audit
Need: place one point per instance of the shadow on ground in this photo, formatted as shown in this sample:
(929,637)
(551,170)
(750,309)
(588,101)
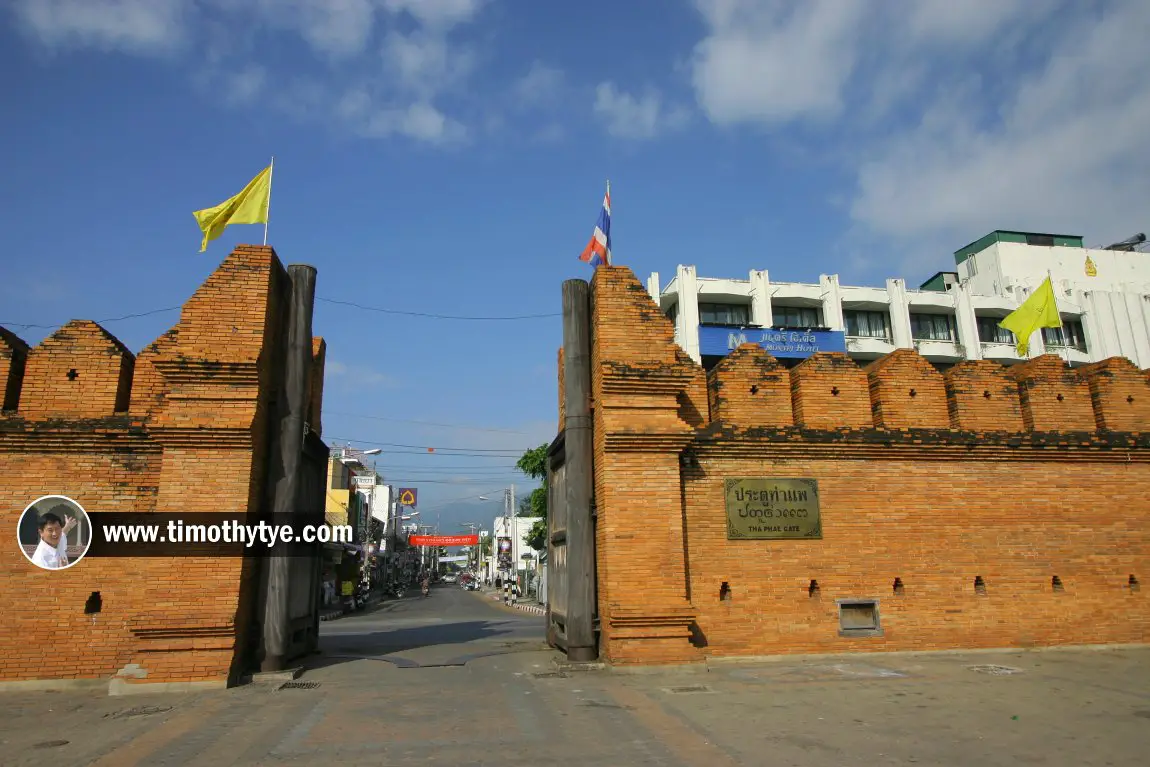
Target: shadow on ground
(443,644)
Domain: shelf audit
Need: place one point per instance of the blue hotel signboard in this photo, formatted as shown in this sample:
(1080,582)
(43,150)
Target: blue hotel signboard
(719,342)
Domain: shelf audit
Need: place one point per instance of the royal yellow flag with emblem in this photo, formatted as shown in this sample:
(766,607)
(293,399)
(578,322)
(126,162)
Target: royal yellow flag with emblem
(1038,311)
(248,207)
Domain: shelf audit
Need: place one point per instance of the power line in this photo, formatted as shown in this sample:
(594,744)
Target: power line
(98,322)
(461,467)
(434,316)
(418,481)
(488,470)
(511,452)
(423,423)
(379,309)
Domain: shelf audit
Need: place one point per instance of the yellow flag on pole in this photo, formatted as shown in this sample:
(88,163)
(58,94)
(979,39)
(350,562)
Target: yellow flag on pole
(248,207)
(1038,311)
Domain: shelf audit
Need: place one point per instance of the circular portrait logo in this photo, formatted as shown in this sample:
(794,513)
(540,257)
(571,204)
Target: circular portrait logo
(54,532)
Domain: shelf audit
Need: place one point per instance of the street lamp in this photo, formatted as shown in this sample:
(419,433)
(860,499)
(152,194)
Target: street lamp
(511,515)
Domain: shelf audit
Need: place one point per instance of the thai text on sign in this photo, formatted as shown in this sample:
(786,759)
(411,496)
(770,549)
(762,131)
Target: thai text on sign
(443,540)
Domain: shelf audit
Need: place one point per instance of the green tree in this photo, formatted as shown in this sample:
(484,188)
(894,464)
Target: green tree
(533,463)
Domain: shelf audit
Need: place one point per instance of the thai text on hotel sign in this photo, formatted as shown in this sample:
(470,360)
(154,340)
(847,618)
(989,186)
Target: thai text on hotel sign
(718,341)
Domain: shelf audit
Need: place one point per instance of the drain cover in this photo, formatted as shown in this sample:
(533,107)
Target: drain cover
(551,675)
(690,689)
(51,744)
(298,686)
(995,670)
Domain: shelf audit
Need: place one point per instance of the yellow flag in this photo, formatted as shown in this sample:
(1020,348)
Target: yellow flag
(1038,311)
(248,207)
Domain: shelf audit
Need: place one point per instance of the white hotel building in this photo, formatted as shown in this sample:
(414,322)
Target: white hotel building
(1103,296)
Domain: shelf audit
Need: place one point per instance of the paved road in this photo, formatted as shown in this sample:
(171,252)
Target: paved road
(458,680)
(448,628)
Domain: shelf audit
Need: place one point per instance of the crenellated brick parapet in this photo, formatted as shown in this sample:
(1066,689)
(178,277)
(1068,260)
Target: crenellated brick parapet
(989,506)
(181,427)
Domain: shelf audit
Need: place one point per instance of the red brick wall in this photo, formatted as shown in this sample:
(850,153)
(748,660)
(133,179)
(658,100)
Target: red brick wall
(1120,394)
(829,391)
(751,388)
(182,428)
(906,392)
(1015,475)
(637,375)
(1053,397)
(982,396)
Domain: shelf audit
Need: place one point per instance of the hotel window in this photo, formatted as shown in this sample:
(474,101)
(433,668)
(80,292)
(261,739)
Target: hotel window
(725,314)
(1070,334)
(932,327)
(990,333)
(795,317)
(868,324)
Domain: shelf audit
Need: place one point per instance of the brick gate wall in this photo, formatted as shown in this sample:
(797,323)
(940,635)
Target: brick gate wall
(1015,475)
(182,427)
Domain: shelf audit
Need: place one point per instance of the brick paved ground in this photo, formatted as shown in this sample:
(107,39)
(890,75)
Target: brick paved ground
(459,680)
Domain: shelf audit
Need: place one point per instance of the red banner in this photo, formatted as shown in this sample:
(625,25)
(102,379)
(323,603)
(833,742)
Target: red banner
(443,540)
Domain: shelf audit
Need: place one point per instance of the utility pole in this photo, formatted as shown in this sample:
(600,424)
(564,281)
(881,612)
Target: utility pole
(514,535)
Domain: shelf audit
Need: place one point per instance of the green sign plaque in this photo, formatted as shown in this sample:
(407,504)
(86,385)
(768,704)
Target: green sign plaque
(763,508)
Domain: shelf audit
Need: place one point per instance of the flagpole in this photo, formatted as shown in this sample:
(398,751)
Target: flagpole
(268,210)
(1061,327)
(612,256)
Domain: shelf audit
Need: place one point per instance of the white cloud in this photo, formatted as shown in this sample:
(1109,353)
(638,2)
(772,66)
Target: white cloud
(541,86)
(630,117)
(134,26)
(954,118)
(774,61)
(420,121)
(441,14)
(354,41)
(769,60)
(1066,149)
(424,63)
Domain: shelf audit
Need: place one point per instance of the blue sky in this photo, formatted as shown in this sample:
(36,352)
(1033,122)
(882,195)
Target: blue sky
(449,156)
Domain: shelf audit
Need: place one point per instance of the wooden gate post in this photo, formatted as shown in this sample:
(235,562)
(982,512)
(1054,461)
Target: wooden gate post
(290,417)
(581,644)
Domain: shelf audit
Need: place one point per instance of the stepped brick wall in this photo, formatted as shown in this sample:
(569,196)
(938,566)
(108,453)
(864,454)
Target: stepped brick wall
(984,507)
(181,427)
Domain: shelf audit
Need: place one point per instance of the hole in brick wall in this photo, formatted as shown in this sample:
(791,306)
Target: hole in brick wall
(73,375)
(1056,583)
(725,592)
(813,589)
(913,393)
(986,394)
(1130,399)
(898,587)
(834,391)
(979,585)
(1133,583)
(754,389)
(1060,398)
(94,604)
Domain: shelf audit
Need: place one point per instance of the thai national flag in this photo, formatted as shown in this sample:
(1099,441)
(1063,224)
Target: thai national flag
(598,250)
